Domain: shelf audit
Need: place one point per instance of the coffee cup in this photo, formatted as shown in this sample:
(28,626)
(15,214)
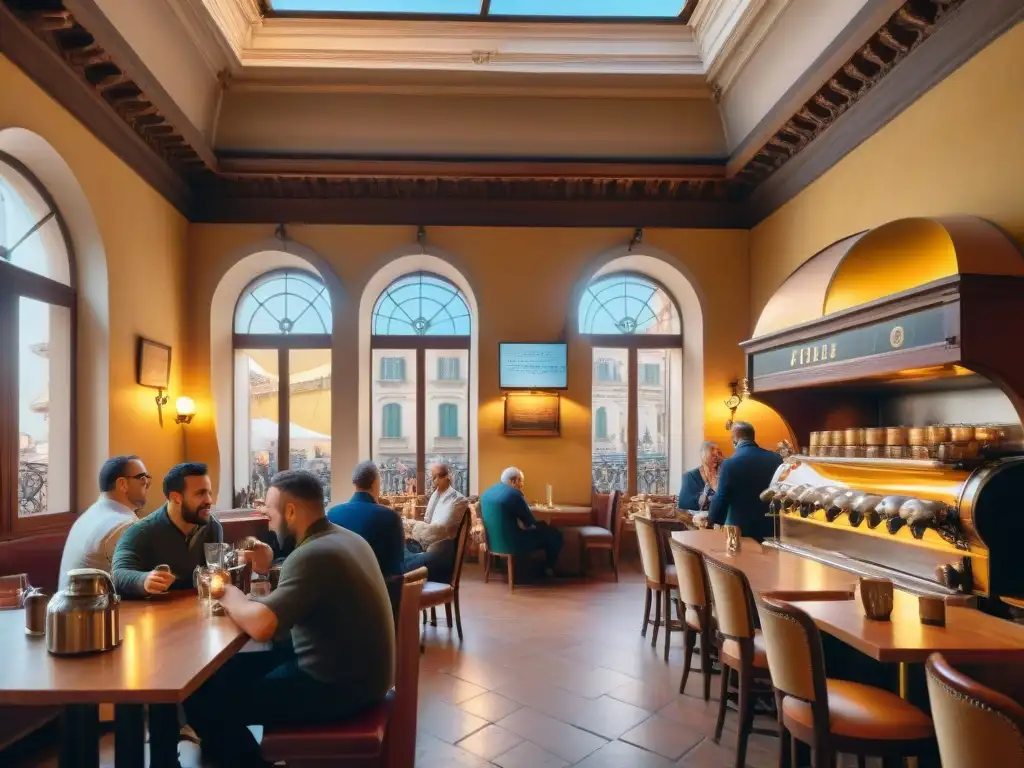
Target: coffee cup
(875,597)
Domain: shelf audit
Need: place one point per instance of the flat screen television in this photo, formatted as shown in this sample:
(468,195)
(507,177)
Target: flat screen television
(532,365)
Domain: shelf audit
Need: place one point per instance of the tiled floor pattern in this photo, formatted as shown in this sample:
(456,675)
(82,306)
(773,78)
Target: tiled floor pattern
(555,675)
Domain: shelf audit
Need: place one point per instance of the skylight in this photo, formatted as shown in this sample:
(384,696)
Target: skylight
(665,10)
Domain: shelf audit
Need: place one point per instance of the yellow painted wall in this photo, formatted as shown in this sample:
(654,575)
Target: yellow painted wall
(523,280)
(144,239)
(958,149)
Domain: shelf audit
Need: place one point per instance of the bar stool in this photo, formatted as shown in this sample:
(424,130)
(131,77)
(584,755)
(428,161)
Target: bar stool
(976,726)
(740,649)
(834,716)
(660,578)
(698,618)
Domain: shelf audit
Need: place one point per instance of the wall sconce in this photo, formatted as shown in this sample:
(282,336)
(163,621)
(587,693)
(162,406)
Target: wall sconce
(740,392)
(186,409)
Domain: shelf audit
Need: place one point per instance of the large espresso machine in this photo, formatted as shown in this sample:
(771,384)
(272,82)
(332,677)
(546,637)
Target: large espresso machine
(891,357)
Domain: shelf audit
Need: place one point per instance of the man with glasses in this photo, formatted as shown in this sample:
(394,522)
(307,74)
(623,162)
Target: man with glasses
(94,535)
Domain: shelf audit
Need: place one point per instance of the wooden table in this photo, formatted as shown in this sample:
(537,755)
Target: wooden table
(773,572)
(969,635)
(169,648)
(566,516)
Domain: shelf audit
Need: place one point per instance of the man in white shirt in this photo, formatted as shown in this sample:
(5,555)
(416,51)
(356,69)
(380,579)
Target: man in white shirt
(124,482)
(435,536)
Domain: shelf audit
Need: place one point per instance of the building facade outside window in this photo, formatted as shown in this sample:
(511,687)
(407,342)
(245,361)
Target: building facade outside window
(37,377)
(634,328)
(282,333)
(423,321)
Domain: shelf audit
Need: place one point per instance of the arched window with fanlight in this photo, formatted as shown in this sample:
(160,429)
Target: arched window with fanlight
(282,333)
(420,338)
(37,340)
(634,328)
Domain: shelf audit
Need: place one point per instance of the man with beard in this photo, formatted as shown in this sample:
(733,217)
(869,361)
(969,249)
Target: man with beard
(333,600)
(172,536)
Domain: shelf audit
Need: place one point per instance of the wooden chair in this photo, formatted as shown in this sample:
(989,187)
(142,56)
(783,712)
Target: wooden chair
(437,593)
(604,533)
(834,716)
(385,736)
(698,616)
(660,578)
(976,726)
(489,555)
(740,649)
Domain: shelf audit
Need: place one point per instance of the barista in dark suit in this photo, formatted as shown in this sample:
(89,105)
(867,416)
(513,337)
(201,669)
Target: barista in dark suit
(741,479)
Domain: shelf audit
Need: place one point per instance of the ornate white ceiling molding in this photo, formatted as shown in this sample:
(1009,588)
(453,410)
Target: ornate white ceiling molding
(474,46)
(236,20)
(751,29)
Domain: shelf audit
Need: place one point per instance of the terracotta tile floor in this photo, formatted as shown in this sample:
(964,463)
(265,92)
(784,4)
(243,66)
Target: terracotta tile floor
(553,675)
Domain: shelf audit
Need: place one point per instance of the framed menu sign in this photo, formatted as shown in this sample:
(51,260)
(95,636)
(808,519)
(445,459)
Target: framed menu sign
(532,415)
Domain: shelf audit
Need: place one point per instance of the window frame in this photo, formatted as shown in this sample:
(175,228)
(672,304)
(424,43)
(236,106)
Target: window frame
(16,283)
(421,344)
(632,343)
(283,343)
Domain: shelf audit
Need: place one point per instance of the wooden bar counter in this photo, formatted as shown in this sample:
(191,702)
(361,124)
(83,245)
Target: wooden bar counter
(969,635)
(773,572)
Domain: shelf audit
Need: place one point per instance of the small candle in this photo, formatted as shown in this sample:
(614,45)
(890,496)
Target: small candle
(216,584)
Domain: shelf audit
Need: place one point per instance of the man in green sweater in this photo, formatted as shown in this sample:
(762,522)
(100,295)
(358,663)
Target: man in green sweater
(173,535)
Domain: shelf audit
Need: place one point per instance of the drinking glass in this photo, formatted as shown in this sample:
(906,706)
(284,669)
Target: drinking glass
(13,590)
(216,554)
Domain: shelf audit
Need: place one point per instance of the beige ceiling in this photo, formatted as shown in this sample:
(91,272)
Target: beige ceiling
(481,89)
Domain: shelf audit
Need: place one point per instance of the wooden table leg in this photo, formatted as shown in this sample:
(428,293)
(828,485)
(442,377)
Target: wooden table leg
(129,736)
(163,735)
(80,736)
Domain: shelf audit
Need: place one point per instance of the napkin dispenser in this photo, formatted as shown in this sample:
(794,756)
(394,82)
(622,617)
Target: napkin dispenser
(84,617)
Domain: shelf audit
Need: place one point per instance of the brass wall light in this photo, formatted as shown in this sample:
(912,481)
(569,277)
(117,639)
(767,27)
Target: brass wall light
(740,392)
(186,409)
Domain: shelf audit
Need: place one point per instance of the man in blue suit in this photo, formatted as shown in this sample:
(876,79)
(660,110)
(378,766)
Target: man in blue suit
(379,525)
(741,479)
(511,526)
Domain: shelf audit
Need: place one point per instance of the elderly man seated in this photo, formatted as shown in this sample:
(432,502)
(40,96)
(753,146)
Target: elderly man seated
(431,542)
(511,526)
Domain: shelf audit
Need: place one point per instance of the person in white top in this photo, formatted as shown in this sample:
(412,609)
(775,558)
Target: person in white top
(431,541)
(124,482)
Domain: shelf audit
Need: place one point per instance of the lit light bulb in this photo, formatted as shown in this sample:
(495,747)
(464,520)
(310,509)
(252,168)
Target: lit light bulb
(185,406)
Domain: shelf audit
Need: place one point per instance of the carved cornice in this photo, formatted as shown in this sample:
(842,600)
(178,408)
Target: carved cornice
(913,23)
(80,51)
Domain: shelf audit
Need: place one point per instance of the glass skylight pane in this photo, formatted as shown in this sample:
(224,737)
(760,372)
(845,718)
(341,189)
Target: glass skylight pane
(467,7)
(588,8)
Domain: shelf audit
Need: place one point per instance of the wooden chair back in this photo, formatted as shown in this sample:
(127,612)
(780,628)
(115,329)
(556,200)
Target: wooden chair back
(730,591)
(650,549)
(400,749)
(975,725)
(795,657)
(460,548)
(694,590)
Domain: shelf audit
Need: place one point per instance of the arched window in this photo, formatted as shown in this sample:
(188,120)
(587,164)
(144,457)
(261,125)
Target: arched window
(282,324)
(37,376)
(420,335)
(634,327)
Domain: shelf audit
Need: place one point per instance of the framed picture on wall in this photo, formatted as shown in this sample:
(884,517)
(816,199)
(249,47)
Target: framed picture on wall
(154,364)
(532,414)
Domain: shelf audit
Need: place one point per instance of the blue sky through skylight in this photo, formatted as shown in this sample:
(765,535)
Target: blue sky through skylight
(654,9)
